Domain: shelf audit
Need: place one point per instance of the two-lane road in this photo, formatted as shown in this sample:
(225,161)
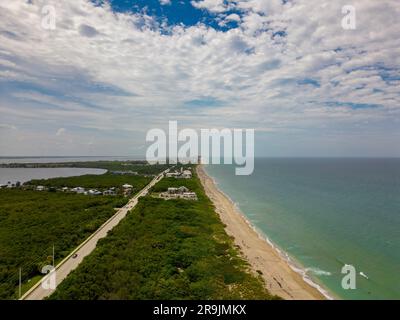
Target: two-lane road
(72,261)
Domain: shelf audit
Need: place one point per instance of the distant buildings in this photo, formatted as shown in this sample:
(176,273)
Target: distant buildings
(113,191)
(132,173)
(178,193)
(10,185)
(182,174)
(186,174)
(110,192)
(78,190)
(172,174)
(177,190)
(127,189)
(94,192)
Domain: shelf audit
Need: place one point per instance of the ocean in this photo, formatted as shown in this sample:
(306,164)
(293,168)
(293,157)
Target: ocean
(326,213)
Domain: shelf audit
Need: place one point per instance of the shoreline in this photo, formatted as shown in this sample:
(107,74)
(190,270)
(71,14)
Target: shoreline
(281,278)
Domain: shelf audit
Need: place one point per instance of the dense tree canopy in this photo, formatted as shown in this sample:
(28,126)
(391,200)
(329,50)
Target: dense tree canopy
(32,222)
(175,249)
(103,181)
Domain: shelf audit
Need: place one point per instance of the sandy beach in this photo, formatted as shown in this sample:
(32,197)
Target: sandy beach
(279,277)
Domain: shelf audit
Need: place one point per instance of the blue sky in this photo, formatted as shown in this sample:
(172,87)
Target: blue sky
(173,12)
(112,70)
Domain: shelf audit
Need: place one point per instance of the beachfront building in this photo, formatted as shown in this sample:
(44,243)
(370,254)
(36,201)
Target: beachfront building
(40,188)
(178,193)
(172,190)
(172,174)
(182,174)
(179,190)
(189,196)
(186,174)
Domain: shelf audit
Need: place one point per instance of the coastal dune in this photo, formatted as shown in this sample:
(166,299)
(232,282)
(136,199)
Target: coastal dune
(279,277)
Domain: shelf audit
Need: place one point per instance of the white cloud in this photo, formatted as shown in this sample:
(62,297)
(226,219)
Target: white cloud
(287,67)
(211,5)
(233,17)
(269,7)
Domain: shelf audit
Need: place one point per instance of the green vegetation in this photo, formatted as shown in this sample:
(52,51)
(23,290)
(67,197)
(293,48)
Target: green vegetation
(88,181)
(174,249)
(140,167)
(164,184)
(32,222)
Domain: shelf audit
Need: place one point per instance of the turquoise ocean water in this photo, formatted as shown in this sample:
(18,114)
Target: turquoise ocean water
(325,213)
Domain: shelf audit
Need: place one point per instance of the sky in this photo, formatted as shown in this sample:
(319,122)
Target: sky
(112,70)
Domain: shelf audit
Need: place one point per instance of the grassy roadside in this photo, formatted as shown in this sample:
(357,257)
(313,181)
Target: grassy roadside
(175,249)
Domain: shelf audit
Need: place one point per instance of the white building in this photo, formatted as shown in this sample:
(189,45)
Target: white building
(183,189)
(179,190)
(178,193)
(94,192)
(172,190)
(78,190)
(183,174)
(189,196)
(110,192)
(186,174)
(172,174)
